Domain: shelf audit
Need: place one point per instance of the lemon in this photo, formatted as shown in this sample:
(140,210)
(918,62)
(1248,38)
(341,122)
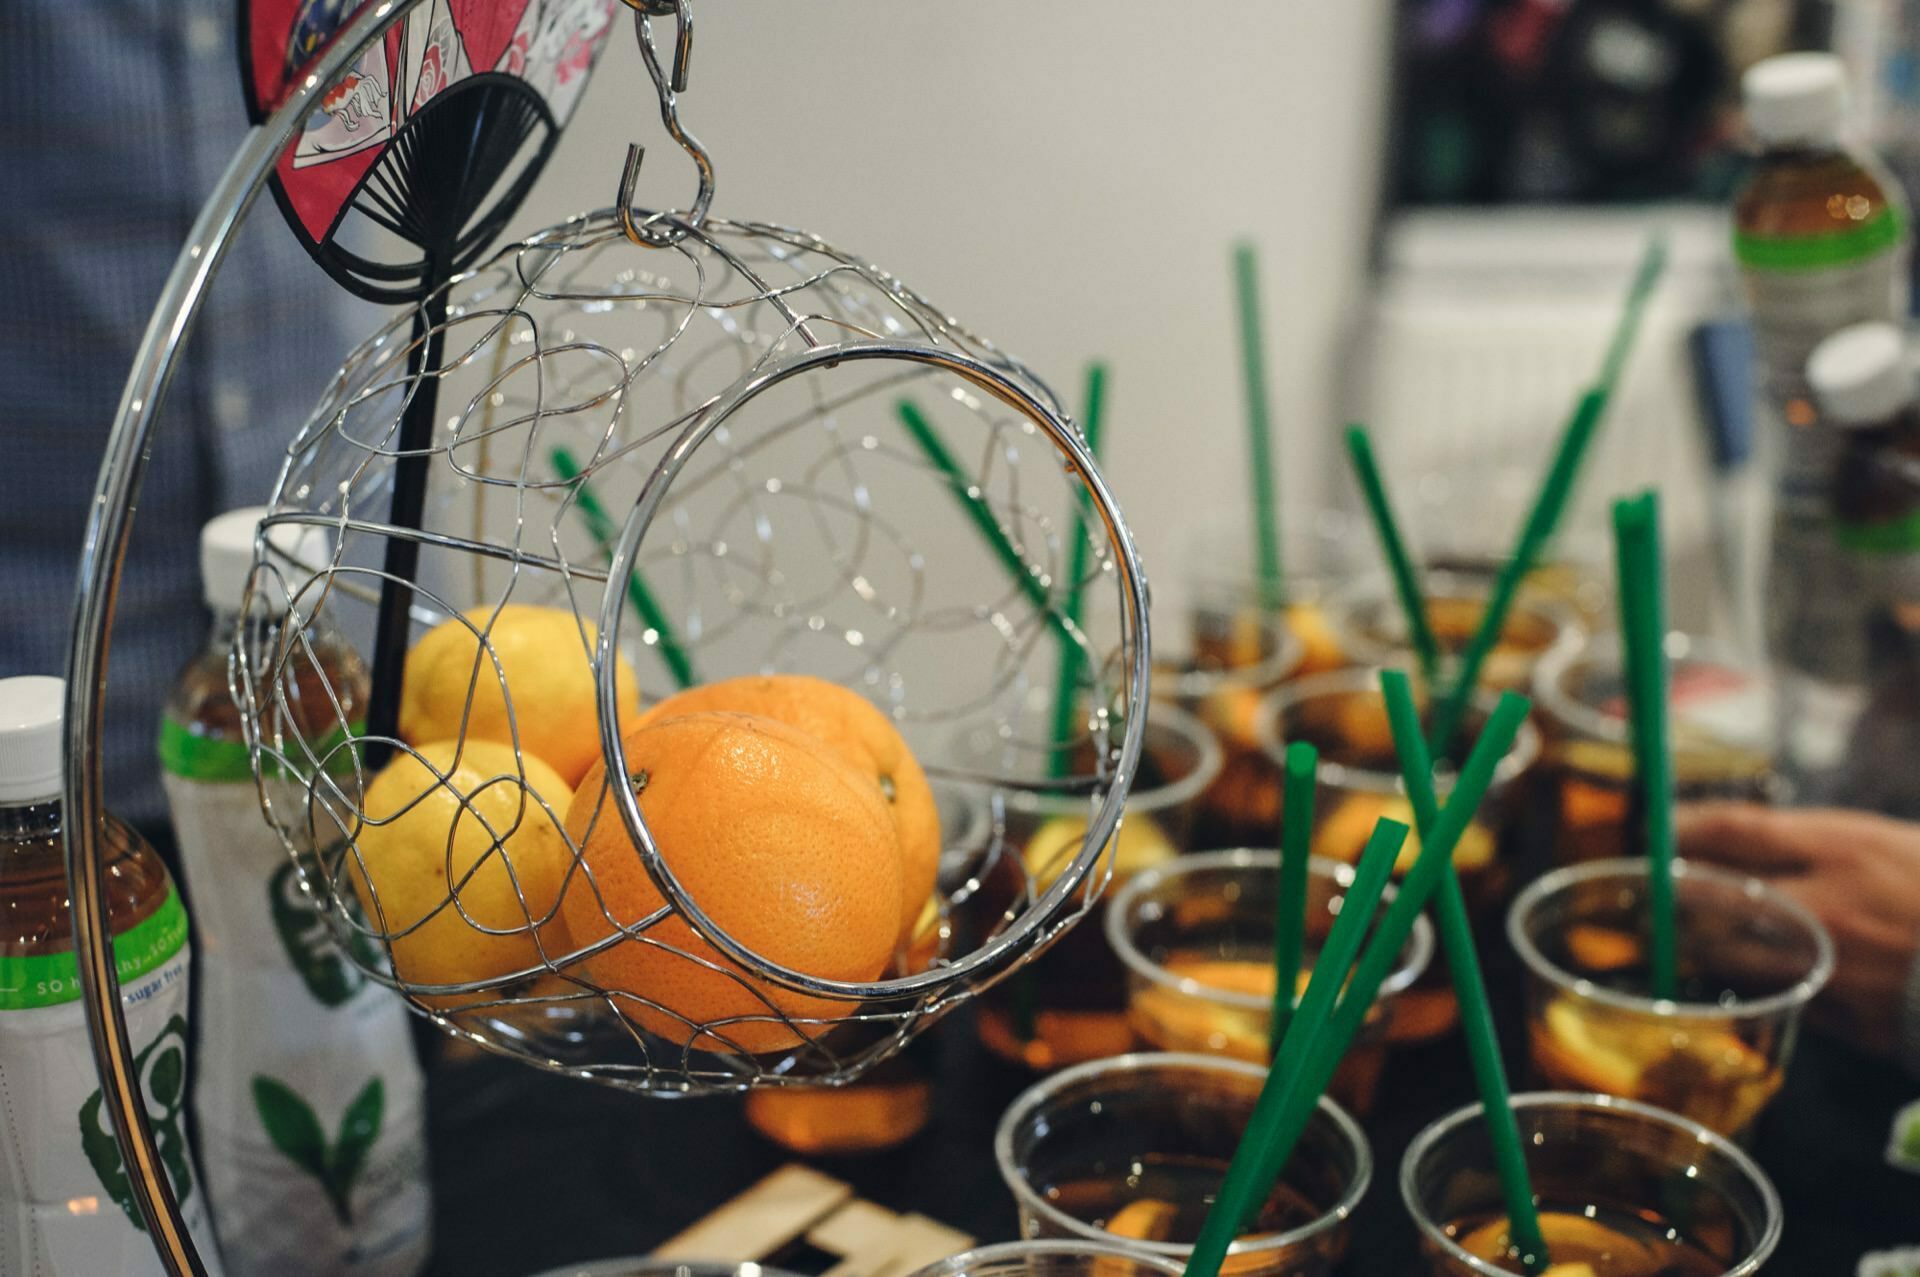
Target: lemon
(1565,1231)
(1319,640)
(1140,844)
(475,845)
(1601,1054)
(1146,1219)
(544,668)
(1343,834)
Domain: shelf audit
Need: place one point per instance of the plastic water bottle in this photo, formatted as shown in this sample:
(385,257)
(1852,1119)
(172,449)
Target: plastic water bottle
(1822,239)
(66,1203)
(1865,388)
(309,1101)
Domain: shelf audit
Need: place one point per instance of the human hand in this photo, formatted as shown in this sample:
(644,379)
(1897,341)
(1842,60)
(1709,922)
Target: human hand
(1860,875)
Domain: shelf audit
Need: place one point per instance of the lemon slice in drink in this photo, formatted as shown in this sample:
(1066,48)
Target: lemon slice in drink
(1343,834)
(1140,844)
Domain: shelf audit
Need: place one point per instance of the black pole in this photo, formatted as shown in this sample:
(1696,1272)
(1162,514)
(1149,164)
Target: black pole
(408,510)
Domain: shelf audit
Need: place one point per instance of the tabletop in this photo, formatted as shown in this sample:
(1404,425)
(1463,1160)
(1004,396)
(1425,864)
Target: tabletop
(533,1170)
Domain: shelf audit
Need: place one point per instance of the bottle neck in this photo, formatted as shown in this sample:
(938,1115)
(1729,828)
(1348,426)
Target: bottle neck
(257,627)
(227,624)
(34,821)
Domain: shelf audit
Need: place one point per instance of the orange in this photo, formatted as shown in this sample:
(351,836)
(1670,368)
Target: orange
(545,664)
(783,845)
(859,733)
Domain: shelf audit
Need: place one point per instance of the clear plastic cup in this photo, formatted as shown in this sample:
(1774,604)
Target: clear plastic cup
(1221,680)
(1344,716)
(1196,937)
(643,1266)
(1225,602)
(1659,1195)
(1050,1259)
(1373,627)
(1133,1149)
(1723,715)
(1070,1004)
(1500,489)
(1749,961)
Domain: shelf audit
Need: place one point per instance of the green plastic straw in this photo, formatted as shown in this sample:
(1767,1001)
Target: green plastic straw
(1242,1192)
(1541,521)
(1551,502)
(1290,907)
(1653,260)
(602,528)
(1067,679)
(1253,367)
(1306,1064)
(1406,578)
(983,518)
(1636,532)
(1476,1013)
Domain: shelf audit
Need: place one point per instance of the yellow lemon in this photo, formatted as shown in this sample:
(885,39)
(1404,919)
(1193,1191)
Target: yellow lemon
(540,658)
(1141,844)
(1343,834)
(456,843)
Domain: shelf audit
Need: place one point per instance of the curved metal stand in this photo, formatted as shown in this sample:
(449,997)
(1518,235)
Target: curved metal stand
(109,525)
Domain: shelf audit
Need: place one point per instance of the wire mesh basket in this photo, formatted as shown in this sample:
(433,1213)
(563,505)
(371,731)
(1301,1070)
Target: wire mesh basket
(807,450)
(702,449)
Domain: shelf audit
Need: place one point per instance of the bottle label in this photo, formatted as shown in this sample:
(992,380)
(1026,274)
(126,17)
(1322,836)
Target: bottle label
(1891,536)
(309,1101)
(206,758)
(1802,288)
(1878,234)
(66,1202)
(52,979)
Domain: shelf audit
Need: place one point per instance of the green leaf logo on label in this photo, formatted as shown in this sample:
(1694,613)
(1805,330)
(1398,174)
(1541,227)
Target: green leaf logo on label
(294,1128)
(309,943)
(162,1072)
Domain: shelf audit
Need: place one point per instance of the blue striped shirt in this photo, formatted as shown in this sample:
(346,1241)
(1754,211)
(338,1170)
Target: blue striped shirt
(119,116)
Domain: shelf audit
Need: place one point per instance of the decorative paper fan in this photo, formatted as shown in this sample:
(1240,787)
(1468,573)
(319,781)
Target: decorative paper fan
(435,136)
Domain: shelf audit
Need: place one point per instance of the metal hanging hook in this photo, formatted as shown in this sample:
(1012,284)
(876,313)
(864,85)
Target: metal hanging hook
(663,229)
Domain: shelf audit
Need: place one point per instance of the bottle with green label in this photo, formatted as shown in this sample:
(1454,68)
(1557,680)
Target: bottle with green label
(1821,235)
(66,1202)
(307,1096)
(1864,385)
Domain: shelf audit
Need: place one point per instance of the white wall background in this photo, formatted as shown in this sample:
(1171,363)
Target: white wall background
(1066,176)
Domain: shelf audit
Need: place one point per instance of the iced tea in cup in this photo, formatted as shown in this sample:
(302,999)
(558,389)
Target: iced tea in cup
(1373,627)
(1750,959)
(1242,805)
(1722,713)
(1051,1259)
(1624,1190)
(1070,1004)
(1134,1150)
(1228,610)
(1196,937)
(1344,716)
(642,1266)
(1577,570)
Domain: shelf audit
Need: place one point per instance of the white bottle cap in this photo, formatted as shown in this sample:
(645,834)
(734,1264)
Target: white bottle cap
(32,708)
(1796,97)
(1860,375)
(226,561)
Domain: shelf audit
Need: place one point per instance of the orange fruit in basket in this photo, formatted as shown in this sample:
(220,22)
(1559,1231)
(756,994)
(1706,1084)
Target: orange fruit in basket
(780,842)
(454,838)
(544,662)
(850,725)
